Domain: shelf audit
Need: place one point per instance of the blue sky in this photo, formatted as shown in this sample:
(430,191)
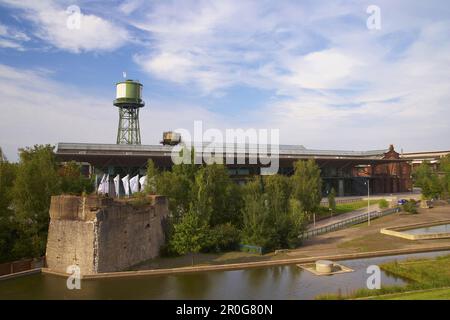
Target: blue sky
(309,68)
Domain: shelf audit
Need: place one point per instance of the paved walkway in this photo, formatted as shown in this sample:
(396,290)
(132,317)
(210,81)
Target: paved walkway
(343,216)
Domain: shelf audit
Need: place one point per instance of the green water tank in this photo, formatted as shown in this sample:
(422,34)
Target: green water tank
(129,94)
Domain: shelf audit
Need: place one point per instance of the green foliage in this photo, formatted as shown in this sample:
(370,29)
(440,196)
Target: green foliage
(25,191)
(140,199)
(332,200)
(206,192)
(152,174)
(177,188)
(428,181)
(256,216)
(265,210)
(223,237)
(410,207)
(383,204)
(36,181)
(72,181)
(445,179)
(191,234)
(272,219)
(8,173)
(307,185)
(420,273)
(213,195)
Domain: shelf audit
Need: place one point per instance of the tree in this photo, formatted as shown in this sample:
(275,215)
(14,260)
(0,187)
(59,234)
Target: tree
(72,181)
(214,195)
(2,156)
(428,181)
(190,235)
(177,188)
(307,185)
(298,221)
(277,189)
(257,228)
(8,173)
(272,219)
(36,181)
(422,174)
(7,225)
(332,200)
(152,176)
(444,167)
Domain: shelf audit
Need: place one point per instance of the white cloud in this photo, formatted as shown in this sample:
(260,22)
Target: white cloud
(130,6)
(335,83)
(38,110)
(338,84)
(12,38)
(50,19)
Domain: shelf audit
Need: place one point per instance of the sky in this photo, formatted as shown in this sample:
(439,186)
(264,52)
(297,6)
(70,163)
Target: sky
(312,69)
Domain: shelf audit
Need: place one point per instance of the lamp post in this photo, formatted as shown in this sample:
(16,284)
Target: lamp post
(314,219)
(368,201)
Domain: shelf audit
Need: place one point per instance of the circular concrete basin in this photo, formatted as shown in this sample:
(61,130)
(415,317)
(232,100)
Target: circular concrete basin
(324,266)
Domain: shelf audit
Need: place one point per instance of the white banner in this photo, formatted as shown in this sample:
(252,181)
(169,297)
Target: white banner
(117,185)
(134,184)
(143,182)
(106,185)
(126,184)
(100,186)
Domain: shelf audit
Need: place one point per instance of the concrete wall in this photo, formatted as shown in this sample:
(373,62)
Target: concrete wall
(397,231)
(102,234)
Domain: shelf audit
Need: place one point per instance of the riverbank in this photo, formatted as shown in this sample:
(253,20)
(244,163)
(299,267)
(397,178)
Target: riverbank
(272,282)
(356,239)
(351,243)
(428,279)
(433,294)
(261,264)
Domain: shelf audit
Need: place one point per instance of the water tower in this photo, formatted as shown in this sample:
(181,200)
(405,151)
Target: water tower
(129,101)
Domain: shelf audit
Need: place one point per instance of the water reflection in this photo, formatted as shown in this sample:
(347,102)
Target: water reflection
(194,286)
(281,282)
(442,228)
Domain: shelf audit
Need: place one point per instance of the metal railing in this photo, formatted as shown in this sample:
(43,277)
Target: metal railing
(342,201)
(21,265)
(346,223)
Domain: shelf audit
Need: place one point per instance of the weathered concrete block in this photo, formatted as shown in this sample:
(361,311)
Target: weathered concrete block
(102,234)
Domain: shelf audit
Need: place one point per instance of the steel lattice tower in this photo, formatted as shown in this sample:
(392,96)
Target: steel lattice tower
(128,100)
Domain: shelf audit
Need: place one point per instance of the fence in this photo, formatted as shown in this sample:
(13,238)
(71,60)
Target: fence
(324,202)
(21,265)
(347,222)
(251,249)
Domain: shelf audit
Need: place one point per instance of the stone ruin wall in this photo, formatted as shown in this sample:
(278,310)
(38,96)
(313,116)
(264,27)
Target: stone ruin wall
(102,234)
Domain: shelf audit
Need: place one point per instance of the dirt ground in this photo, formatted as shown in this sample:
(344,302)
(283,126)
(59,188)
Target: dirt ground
(362,238)
(355,239)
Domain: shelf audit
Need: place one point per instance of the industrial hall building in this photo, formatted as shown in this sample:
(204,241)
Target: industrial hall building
(348,172)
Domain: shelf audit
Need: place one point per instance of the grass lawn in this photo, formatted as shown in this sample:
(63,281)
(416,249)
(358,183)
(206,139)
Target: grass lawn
(434,294)
(207,259)
(373,242)
(345,207)
(423,274)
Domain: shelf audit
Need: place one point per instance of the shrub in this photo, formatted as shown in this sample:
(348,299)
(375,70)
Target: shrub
(332,200)
(409,207)
(383,204)
(223,237)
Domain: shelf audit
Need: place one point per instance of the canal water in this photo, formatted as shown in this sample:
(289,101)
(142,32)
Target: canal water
(442,228)
(284,282)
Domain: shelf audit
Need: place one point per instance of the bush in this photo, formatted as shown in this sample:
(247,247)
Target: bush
(223,237)
(383,204)
(332,200)
(409,207)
